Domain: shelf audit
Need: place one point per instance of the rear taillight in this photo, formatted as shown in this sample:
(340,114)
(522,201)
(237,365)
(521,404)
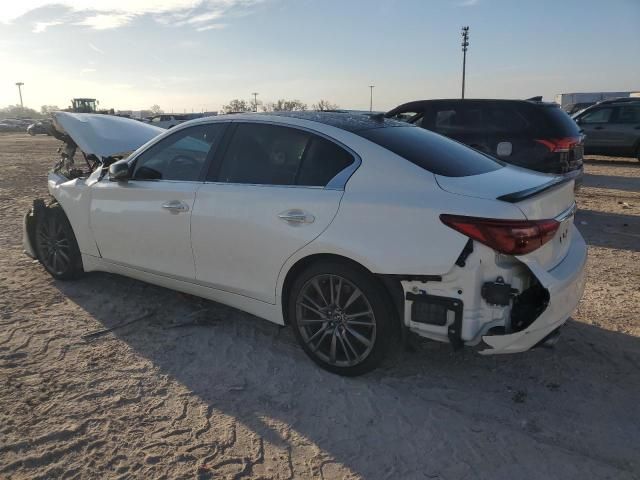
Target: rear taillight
(559,144)
(513,237)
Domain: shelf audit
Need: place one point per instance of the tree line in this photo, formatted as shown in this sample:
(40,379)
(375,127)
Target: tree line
(282,105)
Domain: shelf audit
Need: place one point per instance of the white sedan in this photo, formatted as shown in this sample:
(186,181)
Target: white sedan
(351,229)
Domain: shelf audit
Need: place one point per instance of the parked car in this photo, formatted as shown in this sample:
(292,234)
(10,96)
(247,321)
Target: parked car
(612,128)
(168,121)
(349,228)
(40,127)
(577,107)
(11,125)
(526,133)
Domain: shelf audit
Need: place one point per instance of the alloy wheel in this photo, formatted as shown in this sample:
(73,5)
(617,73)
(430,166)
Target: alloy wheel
(335,320)
(54,246)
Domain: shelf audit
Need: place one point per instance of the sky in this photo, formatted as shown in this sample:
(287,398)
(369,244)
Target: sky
(194,55)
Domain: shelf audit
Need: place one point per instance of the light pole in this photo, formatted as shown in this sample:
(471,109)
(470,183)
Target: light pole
(255,101)
(19,85)
(465,45)
(371,98)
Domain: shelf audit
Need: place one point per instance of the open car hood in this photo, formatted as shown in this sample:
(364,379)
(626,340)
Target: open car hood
(104,135)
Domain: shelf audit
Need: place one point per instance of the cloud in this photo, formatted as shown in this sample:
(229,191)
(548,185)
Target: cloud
(101,15)
(40,27)
(468,3)
(87,70)
(213,26)
(106,21)
(95,49)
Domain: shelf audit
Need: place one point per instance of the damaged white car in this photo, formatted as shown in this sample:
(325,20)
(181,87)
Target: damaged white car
(352,229)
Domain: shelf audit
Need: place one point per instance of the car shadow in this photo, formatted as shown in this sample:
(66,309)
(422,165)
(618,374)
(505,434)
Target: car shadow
(611,230)
(629,184)
(425,412)
(612,162)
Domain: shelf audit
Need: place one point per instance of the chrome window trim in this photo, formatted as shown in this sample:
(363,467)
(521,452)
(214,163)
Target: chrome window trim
(338,182)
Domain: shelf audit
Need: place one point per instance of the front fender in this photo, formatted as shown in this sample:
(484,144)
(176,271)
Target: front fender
(74,196)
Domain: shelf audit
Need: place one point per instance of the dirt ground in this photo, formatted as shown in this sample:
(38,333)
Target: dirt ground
(194,389)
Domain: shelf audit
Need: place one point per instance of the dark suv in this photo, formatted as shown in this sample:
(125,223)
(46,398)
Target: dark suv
(527,133)
(612,127)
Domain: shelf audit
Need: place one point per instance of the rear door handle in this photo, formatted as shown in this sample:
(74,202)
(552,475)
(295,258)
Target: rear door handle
(296,217)
(598,128)
(176,206)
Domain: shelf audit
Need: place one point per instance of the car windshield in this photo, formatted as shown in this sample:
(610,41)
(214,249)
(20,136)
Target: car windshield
(433,152)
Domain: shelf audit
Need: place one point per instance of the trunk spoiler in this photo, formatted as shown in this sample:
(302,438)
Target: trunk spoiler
(516,197)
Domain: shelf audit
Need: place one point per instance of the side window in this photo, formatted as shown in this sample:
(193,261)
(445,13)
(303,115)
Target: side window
(505,119)
(630,114)
(410,117)
(180,156)
(264,155)
(447,119)
(322,161)
(601,115)
(155,119)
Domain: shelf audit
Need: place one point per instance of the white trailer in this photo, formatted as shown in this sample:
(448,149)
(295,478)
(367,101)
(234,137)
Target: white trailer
(565,99)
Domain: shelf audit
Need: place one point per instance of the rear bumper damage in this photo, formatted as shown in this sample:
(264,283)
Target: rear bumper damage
(565,284)
(508,305)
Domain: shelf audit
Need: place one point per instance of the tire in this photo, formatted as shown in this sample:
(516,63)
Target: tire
(56,245)
(344,345)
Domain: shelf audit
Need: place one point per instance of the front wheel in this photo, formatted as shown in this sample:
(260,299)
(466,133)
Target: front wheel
(342,318)
(56,245)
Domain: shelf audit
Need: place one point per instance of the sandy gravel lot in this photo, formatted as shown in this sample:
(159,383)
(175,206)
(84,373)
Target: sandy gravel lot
(198,390)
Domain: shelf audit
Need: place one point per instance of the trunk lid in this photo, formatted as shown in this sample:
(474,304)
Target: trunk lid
(538,196)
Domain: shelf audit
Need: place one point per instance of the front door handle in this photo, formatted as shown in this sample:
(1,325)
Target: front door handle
(176,206)
(598,128)
(296,217)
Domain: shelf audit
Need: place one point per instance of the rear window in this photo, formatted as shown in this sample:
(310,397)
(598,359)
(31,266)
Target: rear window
(559,124)
(431,151)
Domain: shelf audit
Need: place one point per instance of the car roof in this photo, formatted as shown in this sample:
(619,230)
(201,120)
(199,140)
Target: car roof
(351,122)
(423,103)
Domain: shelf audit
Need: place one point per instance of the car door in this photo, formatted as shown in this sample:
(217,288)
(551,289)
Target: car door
(596,126)
(625,128)
(270,194)
(144,222)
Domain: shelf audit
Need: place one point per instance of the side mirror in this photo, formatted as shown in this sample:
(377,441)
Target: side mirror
(119,172)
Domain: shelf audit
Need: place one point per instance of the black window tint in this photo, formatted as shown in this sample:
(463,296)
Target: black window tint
(410,116)
(431,151)
(505,119)
(448,118)
(322,161)
(264,155)
(553,121)
(180,156)
(628,114)
(600,115)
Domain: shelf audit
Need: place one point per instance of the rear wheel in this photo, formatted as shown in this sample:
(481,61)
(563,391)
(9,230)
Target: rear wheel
(341,317)
(56,244)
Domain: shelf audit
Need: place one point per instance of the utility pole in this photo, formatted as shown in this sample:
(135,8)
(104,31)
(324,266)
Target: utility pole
(19,85)
(371,98)
(255,101)
(465,45)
